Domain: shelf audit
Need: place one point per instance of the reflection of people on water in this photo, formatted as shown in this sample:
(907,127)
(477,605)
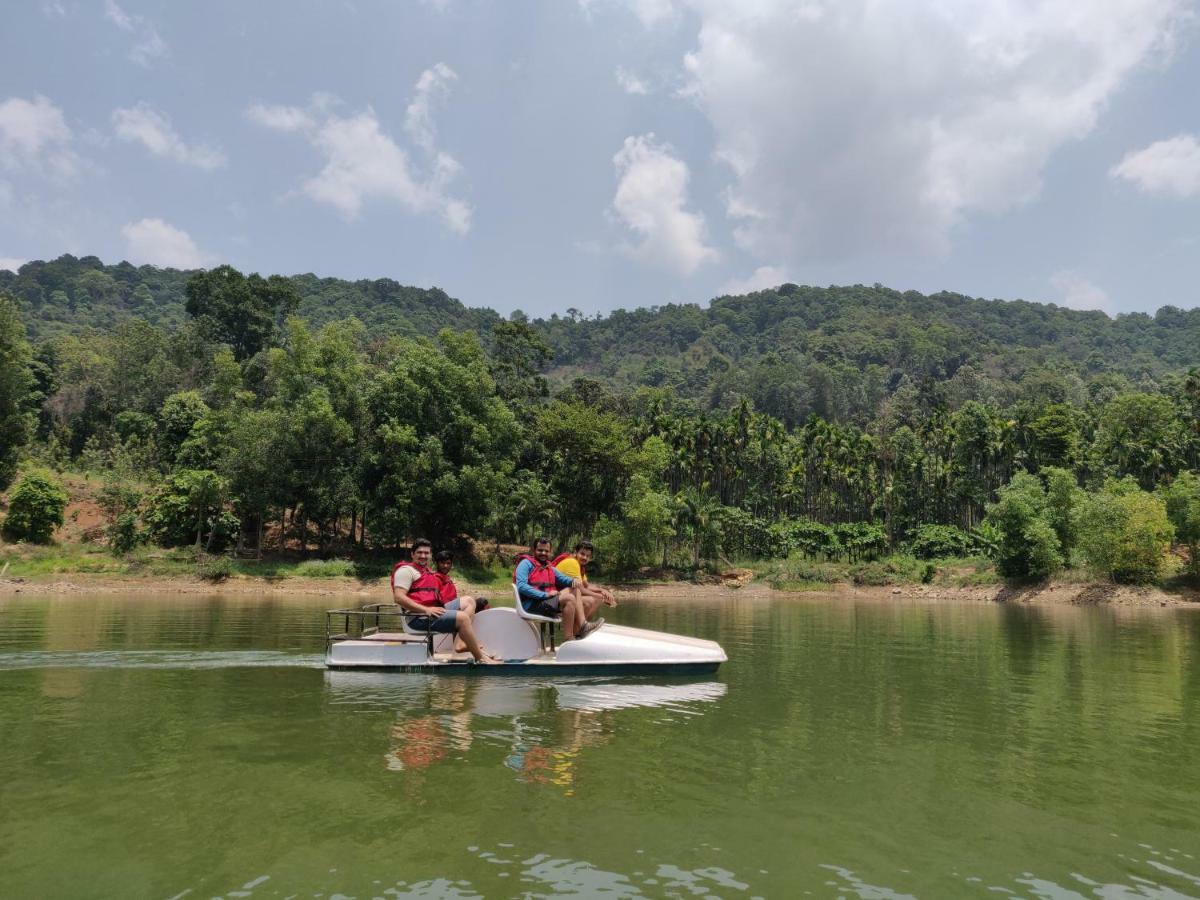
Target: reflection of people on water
(558,764)
(420,741)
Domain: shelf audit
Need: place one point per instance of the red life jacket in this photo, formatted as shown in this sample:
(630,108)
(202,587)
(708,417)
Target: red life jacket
(447,590)
(426,588)
(541,578)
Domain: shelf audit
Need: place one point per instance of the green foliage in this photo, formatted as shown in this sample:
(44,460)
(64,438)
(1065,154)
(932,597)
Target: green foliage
(941,541)
(123,534)
(824,424)
(1028,546)
(1063,499)
(326,568)
(214,568)
(16,389)
(1182,499)
(238,310)
(35,508)
(119,503)
(444,444)
(636,537)
(190,506)
(1124,533)
(1140,435)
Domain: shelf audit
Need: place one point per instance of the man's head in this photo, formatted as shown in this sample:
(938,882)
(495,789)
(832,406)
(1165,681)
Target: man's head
(542,549)
(422,552)
(584,551)
(444,560)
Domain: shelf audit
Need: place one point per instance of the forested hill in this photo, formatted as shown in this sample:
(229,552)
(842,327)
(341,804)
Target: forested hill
(70,295)
(794,351)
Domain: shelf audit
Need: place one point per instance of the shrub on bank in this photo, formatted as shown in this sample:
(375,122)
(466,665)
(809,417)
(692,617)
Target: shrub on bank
(1124,533)
(940,541)
(35,508)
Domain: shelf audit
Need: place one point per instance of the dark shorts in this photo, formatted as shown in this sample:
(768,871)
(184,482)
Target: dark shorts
(542,607)
(445,623)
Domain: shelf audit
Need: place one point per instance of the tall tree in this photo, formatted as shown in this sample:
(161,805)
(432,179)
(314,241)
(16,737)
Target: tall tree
(16,389)
(241,311)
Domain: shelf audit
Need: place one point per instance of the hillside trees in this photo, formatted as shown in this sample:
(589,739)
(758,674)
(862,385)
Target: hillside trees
(239,310)
(17,399)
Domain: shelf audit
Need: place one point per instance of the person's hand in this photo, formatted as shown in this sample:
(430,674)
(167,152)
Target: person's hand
(552,592)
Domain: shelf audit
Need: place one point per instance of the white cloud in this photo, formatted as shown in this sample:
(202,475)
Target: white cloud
(52,9)
(1077,292)
(760,279)
(364,163)
(145,125)
(630,83)
(861,126)
(11,263)
(149,44)
(158,243)
(651,13)
(651,201)
(434,82)
(34,136)
(280,118)
(1165,167)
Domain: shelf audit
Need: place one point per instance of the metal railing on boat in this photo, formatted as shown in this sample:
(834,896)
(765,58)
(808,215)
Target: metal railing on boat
(362,622)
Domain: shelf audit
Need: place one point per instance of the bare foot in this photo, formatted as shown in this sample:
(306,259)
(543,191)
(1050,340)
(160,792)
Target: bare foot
(488,660)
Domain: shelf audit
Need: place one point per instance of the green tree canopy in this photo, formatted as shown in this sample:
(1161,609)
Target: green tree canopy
(238,310)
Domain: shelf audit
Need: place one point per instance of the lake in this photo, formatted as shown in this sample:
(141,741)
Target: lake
(184,746)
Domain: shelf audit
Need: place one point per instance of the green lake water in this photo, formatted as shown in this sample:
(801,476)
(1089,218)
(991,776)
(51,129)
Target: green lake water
(195,747)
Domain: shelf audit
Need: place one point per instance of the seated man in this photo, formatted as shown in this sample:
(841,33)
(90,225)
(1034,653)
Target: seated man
(547,592)
(448,590)
(575,564)
(418,590)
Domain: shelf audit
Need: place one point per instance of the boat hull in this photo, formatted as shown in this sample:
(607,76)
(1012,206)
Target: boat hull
(610,649)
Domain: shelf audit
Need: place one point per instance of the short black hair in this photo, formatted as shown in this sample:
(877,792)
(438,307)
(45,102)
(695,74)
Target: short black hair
(421,542)
(539,541)
(585,545)
(443,556)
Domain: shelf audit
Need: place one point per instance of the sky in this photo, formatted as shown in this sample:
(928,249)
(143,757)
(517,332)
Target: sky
(547,155)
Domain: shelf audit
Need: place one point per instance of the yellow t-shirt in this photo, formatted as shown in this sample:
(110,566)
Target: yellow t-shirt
(570,568)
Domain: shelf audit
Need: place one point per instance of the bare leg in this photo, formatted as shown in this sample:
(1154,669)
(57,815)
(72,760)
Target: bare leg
(466,631)
(570,616)
(467,605)
(590,604)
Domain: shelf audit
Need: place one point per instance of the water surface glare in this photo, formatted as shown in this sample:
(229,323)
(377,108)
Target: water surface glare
(195,747)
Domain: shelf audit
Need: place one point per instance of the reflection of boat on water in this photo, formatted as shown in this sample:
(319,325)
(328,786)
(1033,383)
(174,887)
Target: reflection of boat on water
(506,699)
(544,724)
(374,638)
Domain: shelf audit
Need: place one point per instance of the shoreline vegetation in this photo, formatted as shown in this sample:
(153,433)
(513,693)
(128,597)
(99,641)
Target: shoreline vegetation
(82,568)
(1053,593)
(213,426)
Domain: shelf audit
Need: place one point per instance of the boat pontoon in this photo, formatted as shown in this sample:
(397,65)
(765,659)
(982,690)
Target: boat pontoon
(380,636)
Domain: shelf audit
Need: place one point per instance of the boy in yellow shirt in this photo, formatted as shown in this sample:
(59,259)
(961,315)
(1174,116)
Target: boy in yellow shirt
(574,565)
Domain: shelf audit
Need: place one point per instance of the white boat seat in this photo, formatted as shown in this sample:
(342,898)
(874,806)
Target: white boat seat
(545,624)
(525,614)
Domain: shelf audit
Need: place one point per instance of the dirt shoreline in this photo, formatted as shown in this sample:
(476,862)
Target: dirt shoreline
(360,592)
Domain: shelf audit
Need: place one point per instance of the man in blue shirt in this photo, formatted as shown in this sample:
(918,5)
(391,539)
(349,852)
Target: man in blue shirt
(545,591)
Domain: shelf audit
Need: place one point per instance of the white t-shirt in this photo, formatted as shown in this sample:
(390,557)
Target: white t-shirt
(403,578)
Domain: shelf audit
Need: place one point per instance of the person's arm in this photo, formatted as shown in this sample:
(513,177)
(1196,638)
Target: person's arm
(401,583)
(524,588)
(564,581)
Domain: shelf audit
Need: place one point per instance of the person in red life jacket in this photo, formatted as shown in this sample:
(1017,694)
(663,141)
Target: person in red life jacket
(418,590)
(545,591)
(443,560)
(574,565)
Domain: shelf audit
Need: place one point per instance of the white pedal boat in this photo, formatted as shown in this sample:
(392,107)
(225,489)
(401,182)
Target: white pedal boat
(378,637)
